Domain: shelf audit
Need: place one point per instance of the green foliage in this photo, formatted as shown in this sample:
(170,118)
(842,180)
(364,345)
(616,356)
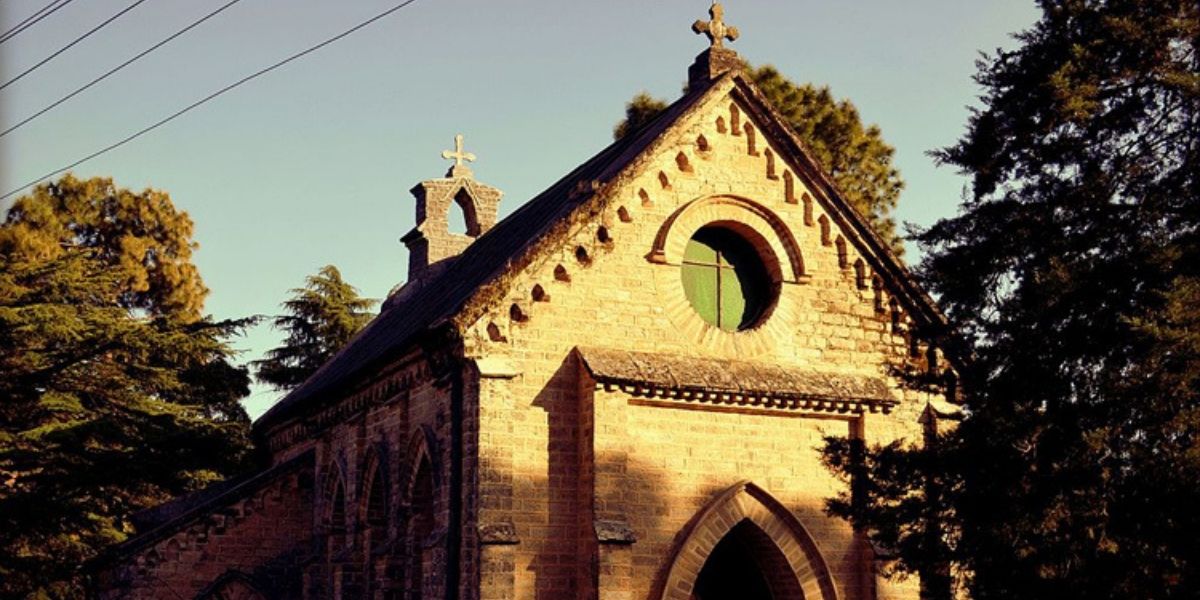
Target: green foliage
(141,234)
(640,110)
(1071,273)
(321,317)
(855,156)
(114,396)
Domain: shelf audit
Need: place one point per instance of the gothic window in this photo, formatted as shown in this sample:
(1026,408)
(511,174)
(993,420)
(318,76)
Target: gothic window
(337,517)
(724,279)
(420,527)
(376,509)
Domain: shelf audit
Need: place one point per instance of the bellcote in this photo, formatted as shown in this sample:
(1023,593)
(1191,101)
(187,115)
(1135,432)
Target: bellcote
(431,242)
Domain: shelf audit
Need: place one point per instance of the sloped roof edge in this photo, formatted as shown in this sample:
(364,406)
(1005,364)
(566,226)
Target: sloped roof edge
(444,295)
(708,375)
(206,504)
(883,260)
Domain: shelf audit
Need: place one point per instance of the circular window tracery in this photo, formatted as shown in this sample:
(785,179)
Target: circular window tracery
(725,279)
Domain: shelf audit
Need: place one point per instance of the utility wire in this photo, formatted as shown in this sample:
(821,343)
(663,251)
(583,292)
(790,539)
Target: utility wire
(31,20)
(211,96)
(68,46)
(135,58)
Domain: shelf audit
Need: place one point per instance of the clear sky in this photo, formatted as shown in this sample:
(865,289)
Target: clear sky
(311,164)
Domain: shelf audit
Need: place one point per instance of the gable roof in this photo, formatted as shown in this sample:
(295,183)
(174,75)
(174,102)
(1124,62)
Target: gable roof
(446,292)
(878,253)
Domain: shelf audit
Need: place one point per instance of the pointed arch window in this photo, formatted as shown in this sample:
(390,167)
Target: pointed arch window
(337,517)
(376,508)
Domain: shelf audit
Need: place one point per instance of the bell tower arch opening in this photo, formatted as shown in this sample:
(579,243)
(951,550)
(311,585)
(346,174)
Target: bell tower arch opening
(451,213)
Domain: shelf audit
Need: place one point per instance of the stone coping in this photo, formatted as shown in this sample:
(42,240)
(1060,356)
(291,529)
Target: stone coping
(735,382)
(193,512)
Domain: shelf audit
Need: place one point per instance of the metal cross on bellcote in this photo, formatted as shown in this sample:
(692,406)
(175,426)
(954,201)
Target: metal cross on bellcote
(716,29)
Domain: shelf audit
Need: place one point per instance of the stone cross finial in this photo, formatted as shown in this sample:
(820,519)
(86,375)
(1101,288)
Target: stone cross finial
(458,156)
(716,30)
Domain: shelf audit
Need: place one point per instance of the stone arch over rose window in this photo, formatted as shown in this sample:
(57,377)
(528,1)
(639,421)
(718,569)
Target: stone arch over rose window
(777,250)
(675,232)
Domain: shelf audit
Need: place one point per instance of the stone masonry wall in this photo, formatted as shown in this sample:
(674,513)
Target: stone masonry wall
(615,283)
(261,537)
(386,444)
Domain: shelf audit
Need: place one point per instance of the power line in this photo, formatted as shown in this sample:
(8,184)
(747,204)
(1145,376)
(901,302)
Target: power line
(68,46)
(31,20)
(211,96)
(135,58)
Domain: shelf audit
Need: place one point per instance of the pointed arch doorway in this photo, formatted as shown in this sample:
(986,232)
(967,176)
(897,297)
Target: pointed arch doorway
(747,546)
(745,565)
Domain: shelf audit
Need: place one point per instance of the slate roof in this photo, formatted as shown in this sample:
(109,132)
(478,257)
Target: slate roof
(445,292)
(716,375)
(439,298)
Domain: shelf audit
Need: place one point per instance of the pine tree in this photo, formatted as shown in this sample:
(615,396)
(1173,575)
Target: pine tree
(640,110)
(1071,273)
(321,317)
(115,395)
(855,156)
(140,233)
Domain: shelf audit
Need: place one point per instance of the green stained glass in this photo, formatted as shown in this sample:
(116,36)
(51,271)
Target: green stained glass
(700,287)
(699,251)
(732,302)
(724,279)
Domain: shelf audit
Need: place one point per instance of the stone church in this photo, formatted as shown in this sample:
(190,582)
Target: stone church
(618,392)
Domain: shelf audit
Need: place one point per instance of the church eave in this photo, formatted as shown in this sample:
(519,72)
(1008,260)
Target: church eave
(734,384)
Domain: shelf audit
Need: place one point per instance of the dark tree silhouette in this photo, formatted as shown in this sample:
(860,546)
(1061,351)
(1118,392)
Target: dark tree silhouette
(1071,275)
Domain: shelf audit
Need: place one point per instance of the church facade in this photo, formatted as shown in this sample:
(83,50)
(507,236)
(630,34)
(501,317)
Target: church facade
(618,392)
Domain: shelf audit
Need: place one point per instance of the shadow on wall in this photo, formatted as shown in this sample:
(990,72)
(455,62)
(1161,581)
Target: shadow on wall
(645,496)
(568,547)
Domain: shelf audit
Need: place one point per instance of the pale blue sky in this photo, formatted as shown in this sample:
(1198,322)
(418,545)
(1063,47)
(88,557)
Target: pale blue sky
(311,164)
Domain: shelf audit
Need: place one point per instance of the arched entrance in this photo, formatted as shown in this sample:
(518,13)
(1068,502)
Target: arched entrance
(746,565)
(747,546)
